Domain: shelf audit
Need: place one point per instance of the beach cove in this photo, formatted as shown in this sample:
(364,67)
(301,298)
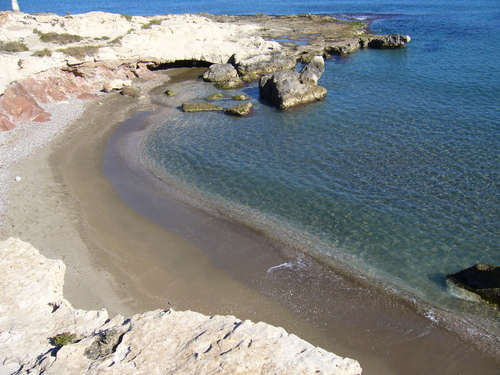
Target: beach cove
(74,176)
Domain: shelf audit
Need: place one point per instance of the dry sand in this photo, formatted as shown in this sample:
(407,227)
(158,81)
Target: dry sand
(118,259)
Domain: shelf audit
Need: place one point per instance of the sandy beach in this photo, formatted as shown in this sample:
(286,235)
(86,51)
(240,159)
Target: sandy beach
(129,247)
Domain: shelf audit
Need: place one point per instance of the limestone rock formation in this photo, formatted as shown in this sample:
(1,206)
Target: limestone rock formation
(254,66)
(481,279)
(285,90)
(387,41)
(220,73)
(33,310)
(313,71)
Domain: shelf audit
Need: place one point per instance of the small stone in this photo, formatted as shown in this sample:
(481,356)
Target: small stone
(18,178)
(199,106)
(240,110)
(129,91)
(170,93)
(215,96)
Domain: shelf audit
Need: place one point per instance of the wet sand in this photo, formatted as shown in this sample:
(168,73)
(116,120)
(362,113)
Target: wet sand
(157,251)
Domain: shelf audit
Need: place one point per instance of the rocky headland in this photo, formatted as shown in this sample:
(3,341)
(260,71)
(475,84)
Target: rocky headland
(48,58)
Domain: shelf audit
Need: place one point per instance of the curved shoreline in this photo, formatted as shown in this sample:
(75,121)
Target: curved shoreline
(301,294)
(145,280)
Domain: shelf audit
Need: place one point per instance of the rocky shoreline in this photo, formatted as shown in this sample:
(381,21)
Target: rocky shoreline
(40,332)
(49,58)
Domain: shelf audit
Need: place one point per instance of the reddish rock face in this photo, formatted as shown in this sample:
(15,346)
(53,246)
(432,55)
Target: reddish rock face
(21,106)
(5,123)
(21,101)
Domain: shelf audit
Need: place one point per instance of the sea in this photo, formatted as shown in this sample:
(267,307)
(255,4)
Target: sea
(396,173)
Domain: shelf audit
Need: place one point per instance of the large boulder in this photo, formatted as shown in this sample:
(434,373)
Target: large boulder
(285,90)
(481,279)
(220,73)
(313,71)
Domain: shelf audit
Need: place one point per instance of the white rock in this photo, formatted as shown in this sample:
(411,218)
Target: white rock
(32,309)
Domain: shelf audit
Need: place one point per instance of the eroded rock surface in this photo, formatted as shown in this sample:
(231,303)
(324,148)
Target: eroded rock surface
(289,88)
(33,309)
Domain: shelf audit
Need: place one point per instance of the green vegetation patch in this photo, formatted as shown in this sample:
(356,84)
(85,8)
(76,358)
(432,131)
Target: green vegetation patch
(63,339)
(43,53)
(154,21)
(53,37)
(13,46)
(128,17)
(80,52)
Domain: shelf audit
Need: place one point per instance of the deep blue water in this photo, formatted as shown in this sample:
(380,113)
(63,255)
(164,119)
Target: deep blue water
(397,170)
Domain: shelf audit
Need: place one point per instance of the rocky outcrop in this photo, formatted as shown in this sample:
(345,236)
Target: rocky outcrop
(220,73)
(386,41)
(252,67)
(284,90)
(289,88)
(40,332)
(481,279)
(313,71)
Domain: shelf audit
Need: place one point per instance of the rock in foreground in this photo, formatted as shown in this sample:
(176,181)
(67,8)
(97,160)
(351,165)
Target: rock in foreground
(481,279)
(33,311)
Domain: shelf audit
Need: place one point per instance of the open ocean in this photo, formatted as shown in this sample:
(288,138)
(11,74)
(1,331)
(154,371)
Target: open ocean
(395,172)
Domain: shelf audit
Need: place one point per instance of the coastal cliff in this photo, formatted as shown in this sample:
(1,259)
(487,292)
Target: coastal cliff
(46,58)
(40,332)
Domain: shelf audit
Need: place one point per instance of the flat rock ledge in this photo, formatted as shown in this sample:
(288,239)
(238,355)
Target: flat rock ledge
(34,312)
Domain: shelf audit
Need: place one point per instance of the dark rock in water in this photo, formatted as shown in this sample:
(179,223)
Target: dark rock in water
(387,41)
(169,93)
(285,90)
(482,279)
(240,110)
(313,71)
(200,106)
(129,91)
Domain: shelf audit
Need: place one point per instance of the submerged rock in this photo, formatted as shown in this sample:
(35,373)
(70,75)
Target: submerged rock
(200,106)
(240,97)
(215,96)
(481,279)
(155,342)
(240,110)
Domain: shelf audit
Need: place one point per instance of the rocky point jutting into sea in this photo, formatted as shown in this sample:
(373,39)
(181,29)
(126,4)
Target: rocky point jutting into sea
(47,59)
